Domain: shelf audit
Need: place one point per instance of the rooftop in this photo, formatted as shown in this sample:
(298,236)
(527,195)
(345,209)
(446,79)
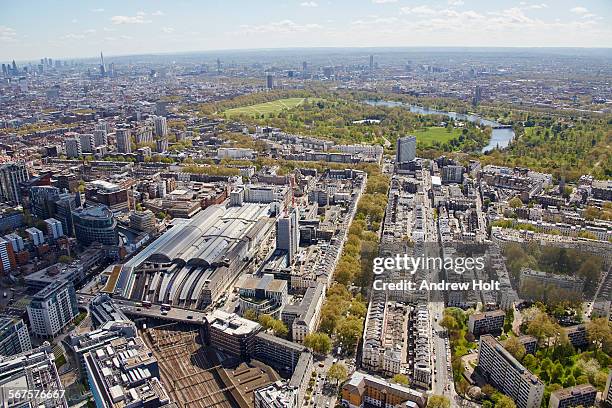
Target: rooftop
(231,323)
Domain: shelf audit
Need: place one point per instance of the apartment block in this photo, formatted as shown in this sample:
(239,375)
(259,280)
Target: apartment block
(580,395)
(504,372)
(14,336)
(530,343)
(264,295)
(606,397)
(487,322)
(577,335)
(52,308)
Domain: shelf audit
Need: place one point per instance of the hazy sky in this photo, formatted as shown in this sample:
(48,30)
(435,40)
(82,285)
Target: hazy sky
(70,28)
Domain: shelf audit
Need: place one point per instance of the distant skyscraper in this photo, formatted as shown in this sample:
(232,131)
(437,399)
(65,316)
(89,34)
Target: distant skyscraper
(288,234)
(371,63)
(11,174)
(7,257)
(477,95)
(100,137)
(102,68)
(161,126)
(218,66)
(161,108)
(35,235)
(269,81)
(161,145)
(23,84)
(88,144)
(304,66)
(124,144)
(54,228)
(144,135)
(406,149)
(73,148)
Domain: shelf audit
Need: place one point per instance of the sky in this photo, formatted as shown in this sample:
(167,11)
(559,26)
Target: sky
(77,29)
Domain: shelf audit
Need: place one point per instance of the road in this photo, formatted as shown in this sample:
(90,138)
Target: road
(324,393)
(443,373)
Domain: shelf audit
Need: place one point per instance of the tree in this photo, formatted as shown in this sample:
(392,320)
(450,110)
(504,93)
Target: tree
(488,390)
(515,347)
(515,202)
(449,322)
(556,373)
(337,372)
(65,259)
(599,332)
(508,320)
(504,401)
(277,326)
(349,332)
(250,314)
(530,361)
(318,342)
(401,379)
(542,327)
(438,401)
(569,381)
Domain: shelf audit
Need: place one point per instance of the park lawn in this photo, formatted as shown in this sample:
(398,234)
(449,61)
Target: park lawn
(267,108)
(428,136)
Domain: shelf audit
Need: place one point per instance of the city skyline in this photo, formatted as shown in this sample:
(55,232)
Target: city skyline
(81,30)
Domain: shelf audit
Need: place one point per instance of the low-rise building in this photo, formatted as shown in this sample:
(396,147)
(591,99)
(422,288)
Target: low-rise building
(580,395)
(530,343)
(264,295)
(276,395)
(303,317)
(362,390)
(487,322)
(549,281)
(103,310)
(143,220)
(577,335)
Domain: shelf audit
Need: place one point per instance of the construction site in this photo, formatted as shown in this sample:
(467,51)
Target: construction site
(195,376)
